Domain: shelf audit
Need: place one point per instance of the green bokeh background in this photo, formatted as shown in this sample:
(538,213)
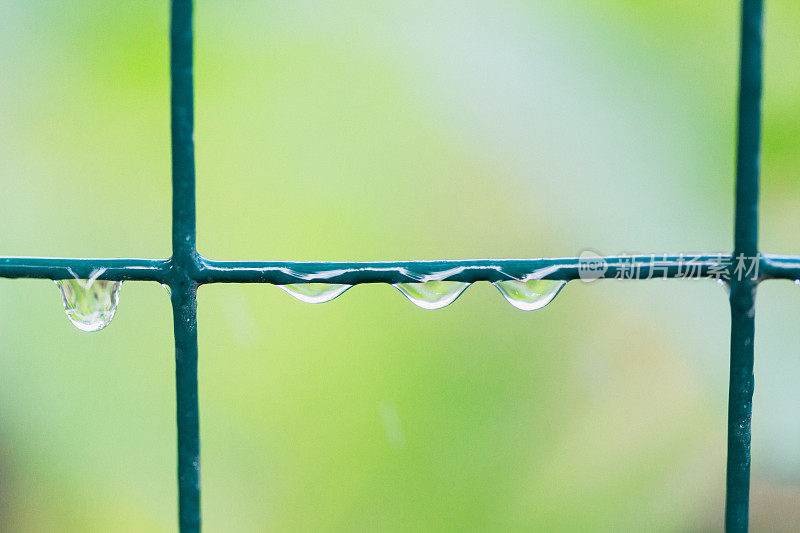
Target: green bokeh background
(395,130)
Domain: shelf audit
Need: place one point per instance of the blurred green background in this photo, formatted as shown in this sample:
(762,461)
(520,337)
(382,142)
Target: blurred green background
(395,130)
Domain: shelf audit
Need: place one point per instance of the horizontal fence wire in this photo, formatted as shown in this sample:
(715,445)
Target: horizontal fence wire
(202,270)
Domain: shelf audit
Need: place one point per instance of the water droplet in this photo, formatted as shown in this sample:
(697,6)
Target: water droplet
(797,282)
(724,285)
(315,293)
(531,294)
(432,294)
(90,304)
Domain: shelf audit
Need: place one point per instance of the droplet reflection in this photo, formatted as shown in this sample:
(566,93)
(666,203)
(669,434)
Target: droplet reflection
(531,294)
(315,293)
(90,304)
(432,294)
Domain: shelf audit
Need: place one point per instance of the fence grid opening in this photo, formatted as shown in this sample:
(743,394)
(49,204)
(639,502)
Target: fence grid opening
(186,269)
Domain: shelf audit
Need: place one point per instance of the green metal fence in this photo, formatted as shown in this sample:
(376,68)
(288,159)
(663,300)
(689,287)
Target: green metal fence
(186,270)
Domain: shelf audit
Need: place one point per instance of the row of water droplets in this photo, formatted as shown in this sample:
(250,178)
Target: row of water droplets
(90,303)
(434,291)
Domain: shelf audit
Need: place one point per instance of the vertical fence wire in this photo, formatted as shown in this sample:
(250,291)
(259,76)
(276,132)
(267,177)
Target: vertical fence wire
(743,286)
(183,265)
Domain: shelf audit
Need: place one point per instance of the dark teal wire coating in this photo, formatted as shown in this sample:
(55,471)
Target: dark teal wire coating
(743,291)
(179,276)
(201,270)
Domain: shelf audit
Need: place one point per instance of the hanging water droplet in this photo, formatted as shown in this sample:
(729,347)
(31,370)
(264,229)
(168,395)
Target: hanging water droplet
(90,304)
(315,293)
(797,282)
(724,285)
(432,294)
(531,294)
